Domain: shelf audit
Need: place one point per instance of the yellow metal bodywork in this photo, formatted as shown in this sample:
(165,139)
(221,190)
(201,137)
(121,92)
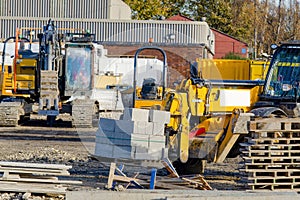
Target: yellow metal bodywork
(204,101)
(224,69)
(214,116)
(176,105)
(149,103)
(25,78)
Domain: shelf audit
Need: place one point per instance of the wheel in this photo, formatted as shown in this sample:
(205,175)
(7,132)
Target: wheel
(192,166)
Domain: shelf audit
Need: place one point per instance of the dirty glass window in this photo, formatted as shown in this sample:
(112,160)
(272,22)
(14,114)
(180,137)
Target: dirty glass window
(284,76)
(78,73)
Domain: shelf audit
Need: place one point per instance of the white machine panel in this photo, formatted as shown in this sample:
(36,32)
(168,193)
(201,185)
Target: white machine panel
(235,98)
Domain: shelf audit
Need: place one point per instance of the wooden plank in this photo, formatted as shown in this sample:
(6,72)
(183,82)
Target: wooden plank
(35,171)
(273,157)
(168,186)
(31,187)
(276,184)
(170,168)
(197,184)
(111,175)
(34,165)
(39,180)
(273,178)
(205,183)
(124,179)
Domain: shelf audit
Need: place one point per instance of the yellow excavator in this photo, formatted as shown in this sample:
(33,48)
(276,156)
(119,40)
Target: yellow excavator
(59,78)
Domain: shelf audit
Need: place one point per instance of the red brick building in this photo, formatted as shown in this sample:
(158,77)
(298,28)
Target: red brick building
(225,44)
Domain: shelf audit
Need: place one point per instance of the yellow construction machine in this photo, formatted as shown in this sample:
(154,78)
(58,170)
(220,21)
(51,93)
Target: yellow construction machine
(205,117)
(58,78)
(152,91)
(210,117)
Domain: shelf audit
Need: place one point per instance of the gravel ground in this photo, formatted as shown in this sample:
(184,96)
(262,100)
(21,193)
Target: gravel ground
(72,147)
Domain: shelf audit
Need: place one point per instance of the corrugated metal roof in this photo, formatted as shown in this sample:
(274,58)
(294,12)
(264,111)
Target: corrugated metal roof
(127,31)
(92,15)
(95,9)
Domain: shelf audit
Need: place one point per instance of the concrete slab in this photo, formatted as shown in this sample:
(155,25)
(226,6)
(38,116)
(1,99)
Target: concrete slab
(180,194)
(135,114)
(159,116)
(158,128)
(107,124)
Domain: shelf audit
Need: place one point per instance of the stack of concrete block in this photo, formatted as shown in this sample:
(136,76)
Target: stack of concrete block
(138,135)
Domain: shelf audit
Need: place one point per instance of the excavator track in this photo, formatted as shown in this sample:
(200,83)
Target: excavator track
(82,113)
(10,113)
(272,154)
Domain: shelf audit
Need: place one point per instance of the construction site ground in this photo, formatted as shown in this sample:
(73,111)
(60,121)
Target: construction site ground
(62,144)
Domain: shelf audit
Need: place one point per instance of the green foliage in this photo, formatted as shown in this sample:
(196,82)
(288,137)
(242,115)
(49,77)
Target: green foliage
(233,56)
(218,13)
(154,9)
(259,23)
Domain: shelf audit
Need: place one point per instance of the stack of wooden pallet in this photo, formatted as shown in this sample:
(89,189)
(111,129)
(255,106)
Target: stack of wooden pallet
(272,154)
(34,177)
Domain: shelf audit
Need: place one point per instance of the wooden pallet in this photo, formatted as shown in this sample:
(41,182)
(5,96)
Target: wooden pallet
(34,177)
(272,154)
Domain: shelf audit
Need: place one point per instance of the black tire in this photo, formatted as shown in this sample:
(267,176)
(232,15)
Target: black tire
(192,166)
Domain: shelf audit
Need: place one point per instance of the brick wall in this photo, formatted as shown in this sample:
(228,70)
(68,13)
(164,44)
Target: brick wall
(178,58)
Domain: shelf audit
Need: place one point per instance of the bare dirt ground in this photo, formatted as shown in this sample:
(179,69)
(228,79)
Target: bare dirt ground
(70,146)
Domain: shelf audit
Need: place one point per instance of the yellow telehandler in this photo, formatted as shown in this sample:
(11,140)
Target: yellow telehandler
(210,118)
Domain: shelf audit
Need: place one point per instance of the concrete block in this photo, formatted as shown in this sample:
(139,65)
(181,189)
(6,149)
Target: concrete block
(159,116)
(124,126)
(158,155)
(107,124)
(140,153)
(125,139)
(156,143)
(121,138)
(158,128)
(104,150)
(106,137)
(148,128)
(135,114)
(129,127)
(140,140)
(125,152)
(141,127)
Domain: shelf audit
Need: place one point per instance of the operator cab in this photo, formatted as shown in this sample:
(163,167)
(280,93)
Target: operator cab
(79,63)
(284,75)
(283,79)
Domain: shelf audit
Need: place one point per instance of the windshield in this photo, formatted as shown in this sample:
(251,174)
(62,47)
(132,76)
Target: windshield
(284,74)
(78,64)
